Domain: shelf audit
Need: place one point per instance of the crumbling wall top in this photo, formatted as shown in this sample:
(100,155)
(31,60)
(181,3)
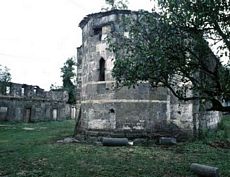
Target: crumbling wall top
(102,14)
(32,91)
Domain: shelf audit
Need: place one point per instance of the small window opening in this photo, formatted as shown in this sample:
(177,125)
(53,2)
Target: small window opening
(22,91)
(7,90)
(126,34)
(98,31)
(111,110)
(3,109)
(35,90)
(102,69)
(3,113)
(55,114)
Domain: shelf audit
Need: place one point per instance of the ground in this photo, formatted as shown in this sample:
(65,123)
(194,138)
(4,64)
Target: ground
(31,150)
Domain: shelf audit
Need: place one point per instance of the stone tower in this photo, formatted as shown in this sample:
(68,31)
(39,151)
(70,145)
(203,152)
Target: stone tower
(123,112)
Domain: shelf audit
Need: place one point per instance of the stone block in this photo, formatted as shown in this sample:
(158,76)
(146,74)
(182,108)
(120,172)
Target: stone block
(204,170)
(167,141)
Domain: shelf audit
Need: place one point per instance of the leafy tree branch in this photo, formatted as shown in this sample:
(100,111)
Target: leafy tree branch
(182,48)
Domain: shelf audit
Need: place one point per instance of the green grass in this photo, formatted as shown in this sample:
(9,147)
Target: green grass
(36,153)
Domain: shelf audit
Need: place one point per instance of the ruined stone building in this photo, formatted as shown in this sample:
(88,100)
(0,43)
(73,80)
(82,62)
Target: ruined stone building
(28,103)
(124,112)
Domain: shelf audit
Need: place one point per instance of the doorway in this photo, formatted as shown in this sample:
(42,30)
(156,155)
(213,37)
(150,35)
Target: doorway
(55,114)
(28,115)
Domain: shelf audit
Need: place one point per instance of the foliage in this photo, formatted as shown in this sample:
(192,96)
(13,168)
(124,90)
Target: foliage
(222,133)
(68,78)
(5,78)
(36,153)
(115,4)
(181,48)
(55,87)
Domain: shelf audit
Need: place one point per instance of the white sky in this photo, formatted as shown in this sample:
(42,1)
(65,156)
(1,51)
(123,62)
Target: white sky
(37,36)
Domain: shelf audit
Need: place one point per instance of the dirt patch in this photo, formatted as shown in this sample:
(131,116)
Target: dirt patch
(28,128)
(68,140)
(5,125)
(220,144)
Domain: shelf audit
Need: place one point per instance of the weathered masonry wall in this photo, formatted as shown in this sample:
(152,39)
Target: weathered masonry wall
(21,102)
(125,112)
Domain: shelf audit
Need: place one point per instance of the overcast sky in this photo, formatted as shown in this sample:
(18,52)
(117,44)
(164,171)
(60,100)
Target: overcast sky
(37,36)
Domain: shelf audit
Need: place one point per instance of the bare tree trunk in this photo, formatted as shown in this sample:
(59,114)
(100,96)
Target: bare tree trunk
(77,125)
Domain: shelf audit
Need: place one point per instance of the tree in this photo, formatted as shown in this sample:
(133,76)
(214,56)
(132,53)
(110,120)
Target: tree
(55,87)
(68,77)
(5,78)
(115,4)
(181,48)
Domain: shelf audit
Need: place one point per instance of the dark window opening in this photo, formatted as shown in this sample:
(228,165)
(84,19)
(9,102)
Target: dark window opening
(111,110)
(102,69)
(98,31)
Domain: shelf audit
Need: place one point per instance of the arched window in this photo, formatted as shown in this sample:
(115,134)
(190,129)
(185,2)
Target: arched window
(102,69)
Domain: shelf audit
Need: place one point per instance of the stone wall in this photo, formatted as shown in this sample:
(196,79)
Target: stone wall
(30,103)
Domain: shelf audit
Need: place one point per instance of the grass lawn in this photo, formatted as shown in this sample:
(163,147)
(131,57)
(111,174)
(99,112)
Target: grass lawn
(34,152)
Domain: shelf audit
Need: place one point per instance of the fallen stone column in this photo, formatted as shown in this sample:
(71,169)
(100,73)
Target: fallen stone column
(167,141)
(204,170)
(115,141)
